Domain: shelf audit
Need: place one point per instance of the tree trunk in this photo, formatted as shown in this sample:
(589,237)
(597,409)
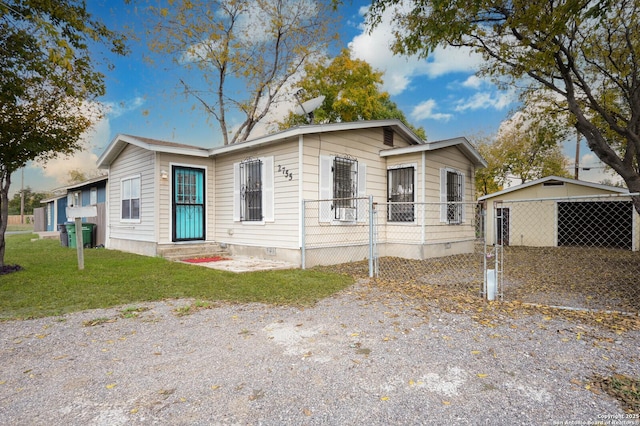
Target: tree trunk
(5,183)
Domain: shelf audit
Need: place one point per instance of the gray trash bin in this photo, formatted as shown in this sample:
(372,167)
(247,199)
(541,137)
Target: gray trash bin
(64,237)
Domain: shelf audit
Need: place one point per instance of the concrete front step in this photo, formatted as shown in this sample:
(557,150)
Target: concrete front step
(190,251)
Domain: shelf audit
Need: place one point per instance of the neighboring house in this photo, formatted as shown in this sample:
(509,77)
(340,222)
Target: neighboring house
(248,196)
(556,211)
(55,208)
(87,193)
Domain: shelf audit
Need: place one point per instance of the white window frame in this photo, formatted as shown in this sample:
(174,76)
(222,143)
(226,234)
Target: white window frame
(444,205)
(327,211)
(93,196)
(131,196)
(268,201)
(74,199)
(413,166)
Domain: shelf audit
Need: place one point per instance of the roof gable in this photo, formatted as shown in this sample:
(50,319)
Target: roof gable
(461,143)
(118,144)
(549,179)
(397,126)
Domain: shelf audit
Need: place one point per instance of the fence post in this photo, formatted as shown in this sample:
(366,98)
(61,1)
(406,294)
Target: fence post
(302,239)
(371,236)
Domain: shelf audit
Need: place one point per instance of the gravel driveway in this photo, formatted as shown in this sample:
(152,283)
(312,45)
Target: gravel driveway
(362,356)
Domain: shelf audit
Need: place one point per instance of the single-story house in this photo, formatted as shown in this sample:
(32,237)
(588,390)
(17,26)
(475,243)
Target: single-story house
(55,208)
(248,197)
(556,211)
(90,192)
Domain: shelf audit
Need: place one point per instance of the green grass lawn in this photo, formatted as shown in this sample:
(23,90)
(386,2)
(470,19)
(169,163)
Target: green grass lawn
(25,227)
(51,284)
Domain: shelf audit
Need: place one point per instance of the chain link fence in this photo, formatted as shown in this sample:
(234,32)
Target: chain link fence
(335,235)
(578,252)
(431,243)
(425,243)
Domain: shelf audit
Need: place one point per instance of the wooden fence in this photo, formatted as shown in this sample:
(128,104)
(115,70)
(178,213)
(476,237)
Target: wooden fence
(16,219)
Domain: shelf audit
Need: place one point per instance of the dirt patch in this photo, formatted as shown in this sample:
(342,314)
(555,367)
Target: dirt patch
(575,277)
(374,354)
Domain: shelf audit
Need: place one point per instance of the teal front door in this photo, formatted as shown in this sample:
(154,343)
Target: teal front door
(188,204)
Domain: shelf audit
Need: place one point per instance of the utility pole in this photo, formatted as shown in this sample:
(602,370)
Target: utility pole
(577,167)
(22,199)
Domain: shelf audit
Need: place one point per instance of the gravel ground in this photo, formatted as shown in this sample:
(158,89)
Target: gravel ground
(362,356)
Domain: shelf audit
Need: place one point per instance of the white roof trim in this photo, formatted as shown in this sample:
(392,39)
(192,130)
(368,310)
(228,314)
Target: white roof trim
(461,142)
(120,141)
(294,132)
(556,178)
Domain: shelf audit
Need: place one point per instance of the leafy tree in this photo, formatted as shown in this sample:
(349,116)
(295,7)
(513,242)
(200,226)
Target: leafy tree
(527,147)
(487,178)
(352,93)
(584,52)
(76,176)
(31,201)
(244,52)
(610,182)
(529,150)
(47,83)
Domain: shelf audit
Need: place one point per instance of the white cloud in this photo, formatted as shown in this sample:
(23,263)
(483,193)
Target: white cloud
(375,48)
(425,110)
(473,82)
(486,100)
(115,110)
(94,139)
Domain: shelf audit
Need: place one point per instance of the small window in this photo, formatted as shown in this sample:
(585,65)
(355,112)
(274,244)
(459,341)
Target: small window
(401,194)
(251,190)
(93,196)
(345,183)
(343,186)
(73,199)
(130,199)
(451,196)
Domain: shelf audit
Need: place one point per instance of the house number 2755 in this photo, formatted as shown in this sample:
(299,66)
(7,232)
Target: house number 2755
(287,174)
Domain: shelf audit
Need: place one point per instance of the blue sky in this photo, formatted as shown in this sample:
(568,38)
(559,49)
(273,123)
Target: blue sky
(441,94)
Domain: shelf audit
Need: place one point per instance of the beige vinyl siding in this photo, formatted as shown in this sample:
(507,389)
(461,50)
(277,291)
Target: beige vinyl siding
(409,232)
(133,161)
(282,232)
(165,225)
(363,145)
(437,231)
(553,191)
(535,223)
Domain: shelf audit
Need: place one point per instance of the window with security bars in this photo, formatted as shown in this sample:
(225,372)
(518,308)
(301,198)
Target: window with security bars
(345,187)
(454,196)
(401,194)
(251,190)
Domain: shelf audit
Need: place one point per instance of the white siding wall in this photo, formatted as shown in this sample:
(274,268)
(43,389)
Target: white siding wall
(131,162)
(282,232)
(164,193)
(364,145)
(451,158)
(409,231)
